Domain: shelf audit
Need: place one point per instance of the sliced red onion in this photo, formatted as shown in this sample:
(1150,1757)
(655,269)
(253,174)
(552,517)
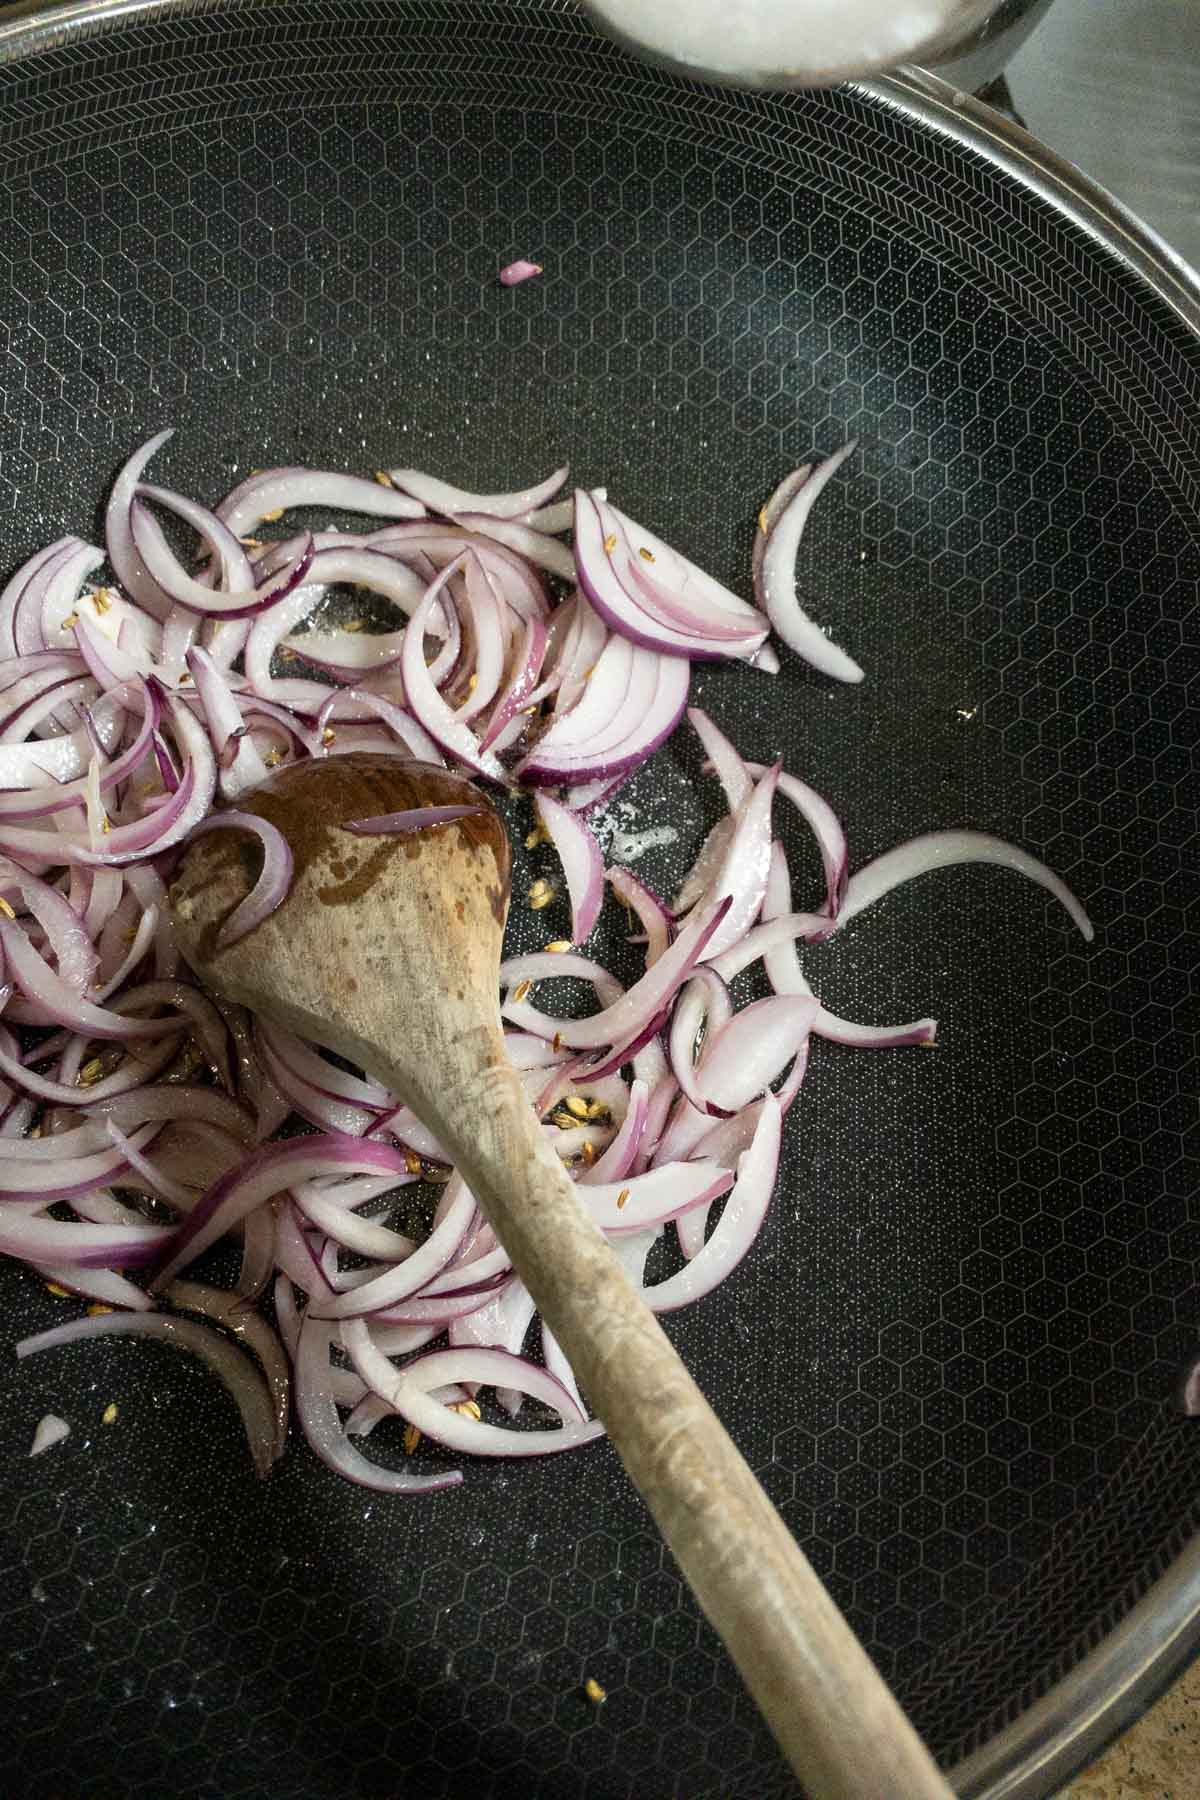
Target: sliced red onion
(469,1271)
(442,497)
(776,582)
(941,850)
(654,1198)
(588,796)
(253,1333)
(35,570)
(679,611)
(363,1236)
(65,1003)
(652,914)
(41,1240)
(235,1371)
(724,760)
(272,491)
(511,666)
(270,890)
(518,694)
(234,563)
(601,692)
(109,665)
(752,1050)
(786,977)
(440,1312)
(739,1224)
(144,936)
(412,736)
(410,1394)
(558,516)
(174,1103)
(489,624)
(527,1052)
(619,1158)
(403,1125)
(431,710)
(707,866)
(316,1410)
(501,1324)
(46,710)
(762,939)
(208,1027)
(725,1141)
(316,1071)
(550,965)
(825,826)
(417,818)
(513,273)
(643,1002)
(484,1365)
(66,934)
(182,589)
(742,878)
(535,546)
(572,658)
(768,517)
(50,1430)
(96,1284)
(267,1171)
(582,863)
(41,620)
(159,830)
(123,555)
(386,1291)
(155,1179)
(240,763)
(702,1010)
(662,1097)
(649,708)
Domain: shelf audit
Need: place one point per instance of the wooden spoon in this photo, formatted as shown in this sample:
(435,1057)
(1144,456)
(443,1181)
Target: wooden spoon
(386,951)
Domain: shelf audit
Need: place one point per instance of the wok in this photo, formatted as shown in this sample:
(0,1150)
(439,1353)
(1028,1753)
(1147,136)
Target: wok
(953,1357)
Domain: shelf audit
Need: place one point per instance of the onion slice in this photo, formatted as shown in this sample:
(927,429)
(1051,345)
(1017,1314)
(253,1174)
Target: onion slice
(739,1224)
(50,1430)
(443,497)
(448,731)
(411,1393)
(234,1370)
(642,1004)
(253,1333)
(316,1410)
(685,613)
(582,863)
(941,850)
(416,818)
(745,866)
(279,490)
(270,890)
(776,584)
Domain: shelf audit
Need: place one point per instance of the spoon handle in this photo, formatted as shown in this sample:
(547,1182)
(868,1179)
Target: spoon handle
(829,1708)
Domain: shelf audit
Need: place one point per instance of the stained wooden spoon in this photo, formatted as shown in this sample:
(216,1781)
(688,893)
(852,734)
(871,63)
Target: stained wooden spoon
(386,950)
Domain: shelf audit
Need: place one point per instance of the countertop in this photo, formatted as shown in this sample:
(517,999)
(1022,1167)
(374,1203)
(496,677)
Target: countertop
(1157,1759)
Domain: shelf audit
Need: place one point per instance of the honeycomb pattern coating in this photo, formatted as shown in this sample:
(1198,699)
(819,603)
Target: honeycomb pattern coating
(950,1356)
